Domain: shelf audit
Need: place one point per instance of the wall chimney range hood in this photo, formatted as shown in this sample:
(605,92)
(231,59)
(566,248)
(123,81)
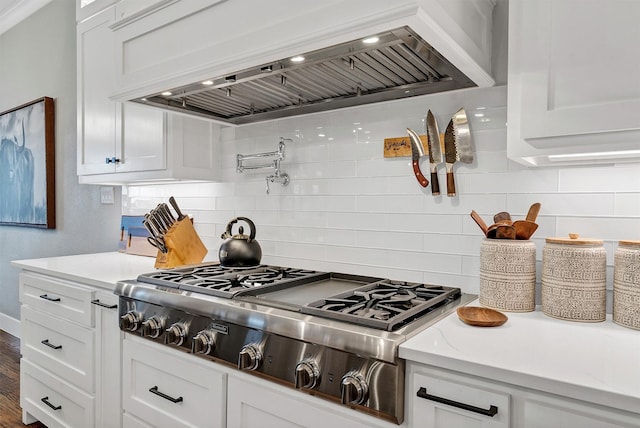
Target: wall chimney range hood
(391,65)
(233,61)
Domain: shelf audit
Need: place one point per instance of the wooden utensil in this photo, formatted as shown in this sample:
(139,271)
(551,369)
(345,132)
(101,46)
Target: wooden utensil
(533,212)
(481,317)
(476,217)
(501,231)
(524,228)
(502,217)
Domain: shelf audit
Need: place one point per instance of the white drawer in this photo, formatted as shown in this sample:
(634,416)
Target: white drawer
(58,297)
(130,421)
(446,400)
(52,401)
(168,388)
(58,346)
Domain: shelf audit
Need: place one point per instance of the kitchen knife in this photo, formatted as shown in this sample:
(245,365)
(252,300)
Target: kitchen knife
(175,206)
(457,146)
(417,151)
(435,152)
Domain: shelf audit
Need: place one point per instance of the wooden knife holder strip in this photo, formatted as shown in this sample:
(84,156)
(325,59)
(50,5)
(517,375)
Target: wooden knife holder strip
(184,246)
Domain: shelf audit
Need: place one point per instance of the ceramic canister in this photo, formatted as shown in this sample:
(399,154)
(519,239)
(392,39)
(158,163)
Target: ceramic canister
(574,279)
(626,284)
(508,274)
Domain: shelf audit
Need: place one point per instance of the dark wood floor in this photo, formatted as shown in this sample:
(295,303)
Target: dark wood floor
(10,412)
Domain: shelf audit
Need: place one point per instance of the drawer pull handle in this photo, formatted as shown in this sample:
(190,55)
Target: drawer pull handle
(45,400)
(493,410)
(154,390)
(51,299)
(50,345)
(104,305)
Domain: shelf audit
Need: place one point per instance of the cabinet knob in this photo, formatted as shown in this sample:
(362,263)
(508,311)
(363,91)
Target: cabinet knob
(112,160)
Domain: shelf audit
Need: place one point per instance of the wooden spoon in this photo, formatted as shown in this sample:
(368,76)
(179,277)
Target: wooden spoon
(476,217)
(481,317)
(524,229)
(502,217)
(501,231)
(532,215)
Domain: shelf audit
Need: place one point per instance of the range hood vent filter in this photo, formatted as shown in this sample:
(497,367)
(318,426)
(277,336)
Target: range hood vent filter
(399,65)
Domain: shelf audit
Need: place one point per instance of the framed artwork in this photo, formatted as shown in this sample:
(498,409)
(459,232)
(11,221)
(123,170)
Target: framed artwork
(27,165)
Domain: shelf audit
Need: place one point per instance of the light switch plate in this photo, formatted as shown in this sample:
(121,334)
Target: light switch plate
(107,195)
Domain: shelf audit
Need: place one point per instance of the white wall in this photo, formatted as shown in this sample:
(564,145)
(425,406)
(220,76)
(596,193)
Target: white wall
(349,209)
(38,58)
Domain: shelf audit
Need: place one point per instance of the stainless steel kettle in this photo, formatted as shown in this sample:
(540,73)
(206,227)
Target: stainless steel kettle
(240,250)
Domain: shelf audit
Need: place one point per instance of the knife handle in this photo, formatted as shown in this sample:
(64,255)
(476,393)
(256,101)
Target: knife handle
(421,178)
(435,184)
(451,184)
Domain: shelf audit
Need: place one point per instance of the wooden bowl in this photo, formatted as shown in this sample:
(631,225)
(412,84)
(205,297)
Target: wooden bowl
(481,317)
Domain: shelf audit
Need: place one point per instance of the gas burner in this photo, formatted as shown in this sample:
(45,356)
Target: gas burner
(386,304)
(271,275)
(220,281)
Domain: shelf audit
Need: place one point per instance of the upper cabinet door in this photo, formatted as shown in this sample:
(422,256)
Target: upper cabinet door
(574,90)
(96,119)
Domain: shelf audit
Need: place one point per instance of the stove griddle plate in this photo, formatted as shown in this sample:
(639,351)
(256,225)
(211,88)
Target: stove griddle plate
(386,305)
(296,294)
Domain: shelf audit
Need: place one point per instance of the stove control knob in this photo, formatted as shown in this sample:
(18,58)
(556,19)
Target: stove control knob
(354,388)
(203,343)
(153,327)
(307,374)
(130,321)
(250,357)
(176,334)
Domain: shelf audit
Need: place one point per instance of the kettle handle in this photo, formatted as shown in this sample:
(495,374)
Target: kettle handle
(252,228)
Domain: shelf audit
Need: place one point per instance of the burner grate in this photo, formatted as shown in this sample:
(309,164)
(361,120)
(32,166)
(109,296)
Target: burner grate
(384,305)
(220,281)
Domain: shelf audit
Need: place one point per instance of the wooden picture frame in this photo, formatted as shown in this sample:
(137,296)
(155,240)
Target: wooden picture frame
(27,165)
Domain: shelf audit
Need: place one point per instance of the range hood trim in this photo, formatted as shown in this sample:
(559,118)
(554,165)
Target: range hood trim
(463,51)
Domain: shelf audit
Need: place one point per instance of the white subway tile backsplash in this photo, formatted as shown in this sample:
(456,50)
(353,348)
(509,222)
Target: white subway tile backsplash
(349,209)
(605,228)
(381,239)
(626,204)
(606,178)
(565,204)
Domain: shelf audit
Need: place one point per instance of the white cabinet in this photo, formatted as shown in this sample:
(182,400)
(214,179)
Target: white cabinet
(467,397)
(573,81)
(543,410)
(71,364)
(127,143)
(167,388)
(255,403)
(442,400)
(107,360)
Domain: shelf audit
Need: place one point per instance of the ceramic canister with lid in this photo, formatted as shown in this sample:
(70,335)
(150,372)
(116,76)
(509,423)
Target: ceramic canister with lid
(574,279)
(508,274)
(626,284)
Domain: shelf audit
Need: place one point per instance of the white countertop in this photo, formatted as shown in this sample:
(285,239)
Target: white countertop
(100,270)
(596,362)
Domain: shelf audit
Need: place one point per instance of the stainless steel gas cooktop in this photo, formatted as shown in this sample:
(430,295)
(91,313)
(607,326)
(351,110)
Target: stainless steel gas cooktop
(331,333)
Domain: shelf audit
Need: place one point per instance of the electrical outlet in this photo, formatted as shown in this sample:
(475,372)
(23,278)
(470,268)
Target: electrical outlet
(107,195)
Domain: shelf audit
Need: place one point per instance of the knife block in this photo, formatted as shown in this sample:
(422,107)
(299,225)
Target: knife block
(184,246)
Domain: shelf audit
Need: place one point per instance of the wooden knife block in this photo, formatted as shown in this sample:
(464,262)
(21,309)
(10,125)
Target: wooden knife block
(183,244)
